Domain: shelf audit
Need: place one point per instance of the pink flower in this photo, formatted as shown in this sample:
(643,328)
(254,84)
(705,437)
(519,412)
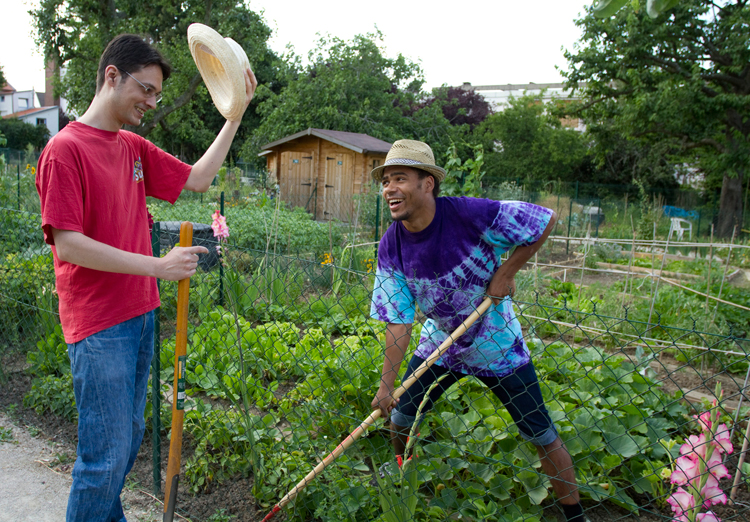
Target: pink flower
(712,494)
(716,467)
(685,470)
(694,447)
(721,439)
(708,517)
(681,501)
(219,226)
(704,419)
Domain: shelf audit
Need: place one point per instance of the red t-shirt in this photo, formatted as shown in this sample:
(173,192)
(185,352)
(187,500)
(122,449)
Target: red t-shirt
(95,182)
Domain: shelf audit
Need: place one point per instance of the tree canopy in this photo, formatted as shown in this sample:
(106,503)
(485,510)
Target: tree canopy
(20,134)
(529,143)
(681,80)
(460,106)
(75,32)
(354,87)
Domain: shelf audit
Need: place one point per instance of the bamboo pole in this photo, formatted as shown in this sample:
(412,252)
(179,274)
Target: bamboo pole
(646,243)
(636,338)
(583,266)
(737,414)
(675,283)
(710,262)
(653,295)
(726,269)
(630,264)
(661,272)
(738,474)
(369,421)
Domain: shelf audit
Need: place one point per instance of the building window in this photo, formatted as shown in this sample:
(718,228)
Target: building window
(2,98)
(41,121)
(23,103)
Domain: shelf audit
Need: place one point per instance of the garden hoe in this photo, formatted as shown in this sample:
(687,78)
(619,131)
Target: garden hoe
(178,392)
(341,448)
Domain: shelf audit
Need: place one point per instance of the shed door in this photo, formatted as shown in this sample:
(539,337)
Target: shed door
(297,183)
(338,187)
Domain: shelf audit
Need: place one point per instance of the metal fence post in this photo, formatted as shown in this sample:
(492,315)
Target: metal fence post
(221,265)
(18,186)
(155,373)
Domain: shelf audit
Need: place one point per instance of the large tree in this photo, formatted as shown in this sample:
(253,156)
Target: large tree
(350,86)
(75,32)
(460,106)
(681,79)
(527,141)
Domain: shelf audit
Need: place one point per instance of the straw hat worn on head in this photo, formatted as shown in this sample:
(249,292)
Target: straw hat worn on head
(410,153)
(222,64)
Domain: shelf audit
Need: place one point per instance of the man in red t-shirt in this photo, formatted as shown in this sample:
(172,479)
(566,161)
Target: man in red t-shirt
(93,179)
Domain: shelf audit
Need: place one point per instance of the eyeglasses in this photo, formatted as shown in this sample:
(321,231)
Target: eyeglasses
(148,91)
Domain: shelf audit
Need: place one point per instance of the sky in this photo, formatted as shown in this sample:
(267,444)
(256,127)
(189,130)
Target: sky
(484,42)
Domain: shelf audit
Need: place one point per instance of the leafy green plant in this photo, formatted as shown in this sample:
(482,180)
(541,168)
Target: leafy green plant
(54,394)
(6,435)
(51,356)
(463,179)
(23,276)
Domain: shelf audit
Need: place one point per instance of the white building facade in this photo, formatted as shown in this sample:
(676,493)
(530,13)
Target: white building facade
(26,106)
(498,96)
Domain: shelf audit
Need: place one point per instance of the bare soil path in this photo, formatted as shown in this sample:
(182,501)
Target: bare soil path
(36,479)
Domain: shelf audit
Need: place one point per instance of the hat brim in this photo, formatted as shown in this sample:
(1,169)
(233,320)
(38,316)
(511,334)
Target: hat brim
(438,172)
(222,63)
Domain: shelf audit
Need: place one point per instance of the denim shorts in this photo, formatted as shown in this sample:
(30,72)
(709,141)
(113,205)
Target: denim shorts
(518,391)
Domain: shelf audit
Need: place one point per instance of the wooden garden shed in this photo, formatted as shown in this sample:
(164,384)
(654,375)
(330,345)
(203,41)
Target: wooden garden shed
(321,170)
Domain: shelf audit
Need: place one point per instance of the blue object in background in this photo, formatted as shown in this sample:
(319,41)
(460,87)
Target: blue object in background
(677,212)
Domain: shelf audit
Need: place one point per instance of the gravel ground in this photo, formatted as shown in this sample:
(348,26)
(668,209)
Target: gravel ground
(36,479)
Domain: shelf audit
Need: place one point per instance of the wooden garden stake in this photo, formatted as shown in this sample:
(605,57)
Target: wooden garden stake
(349,440)
(178,391)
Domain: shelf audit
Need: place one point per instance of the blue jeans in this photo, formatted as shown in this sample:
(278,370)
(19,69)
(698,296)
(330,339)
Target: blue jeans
(519,391)
(110,380)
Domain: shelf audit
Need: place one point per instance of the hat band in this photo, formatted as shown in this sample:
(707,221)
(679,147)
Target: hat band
(402,161)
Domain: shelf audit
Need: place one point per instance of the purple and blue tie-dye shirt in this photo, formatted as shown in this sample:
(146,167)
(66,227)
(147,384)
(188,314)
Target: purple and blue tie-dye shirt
(446,268)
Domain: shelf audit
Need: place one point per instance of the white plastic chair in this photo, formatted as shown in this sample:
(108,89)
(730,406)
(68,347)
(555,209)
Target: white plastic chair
(679,226)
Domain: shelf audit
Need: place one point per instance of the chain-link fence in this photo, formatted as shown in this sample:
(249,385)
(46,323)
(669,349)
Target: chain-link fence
(284,361)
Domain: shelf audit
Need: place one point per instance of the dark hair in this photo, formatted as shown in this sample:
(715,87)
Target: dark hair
(130,53)
(436,189)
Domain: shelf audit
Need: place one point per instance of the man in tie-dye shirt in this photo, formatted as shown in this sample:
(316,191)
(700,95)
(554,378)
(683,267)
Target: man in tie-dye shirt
(443,254)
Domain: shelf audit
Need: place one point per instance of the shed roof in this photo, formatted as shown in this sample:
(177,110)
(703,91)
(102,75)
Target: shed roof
(355,141)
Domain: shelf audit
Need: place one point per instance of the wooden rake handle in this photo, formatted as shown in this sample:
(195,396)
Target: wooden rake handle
(178,392)
(398,392)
